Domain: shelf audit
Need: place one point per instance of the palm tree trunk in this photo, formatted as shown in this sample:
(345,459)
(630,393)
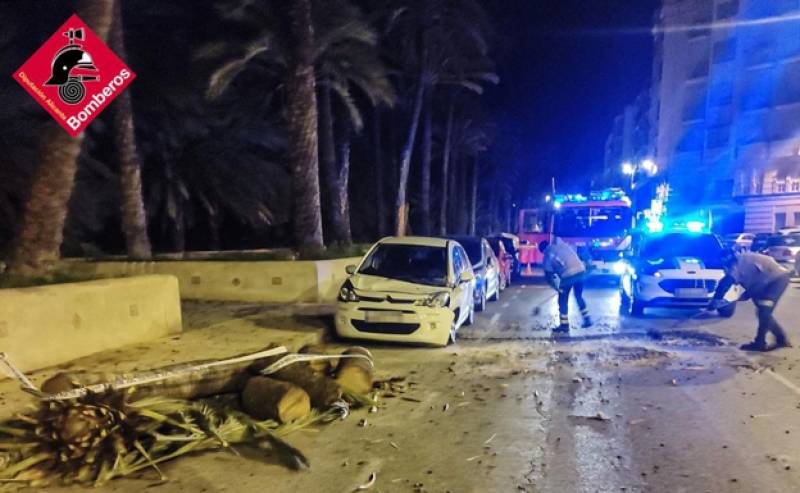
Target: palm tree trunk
(401,206)
(327,163)
(427,137)
(463,203)
(380,209)
(446,169)
(301,110)
(134,218)
(37,247)
(343,232)
(473,203)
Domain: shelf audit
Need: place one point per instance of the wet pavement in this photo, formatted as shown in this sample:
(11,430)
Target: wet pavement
(662,403)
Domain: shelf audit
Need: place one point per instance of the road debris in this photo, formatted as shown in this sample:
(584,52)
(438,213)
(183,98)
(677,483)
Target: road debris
(369,484)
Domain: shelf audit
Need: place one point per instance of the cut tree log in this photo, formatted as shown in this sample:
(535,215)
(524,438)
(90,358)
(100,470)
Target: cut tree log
(267,398)
(356,374)
(324,366)
(322,390)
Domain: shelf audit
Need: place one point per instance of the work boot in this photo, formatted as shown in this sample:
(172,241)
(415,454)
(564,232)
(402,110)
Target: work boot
(782,343)
(587,320)
(563,325)
(754,346)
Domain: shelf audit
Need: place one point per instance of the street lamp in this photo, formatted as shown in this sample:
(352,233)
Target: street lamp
(628,168)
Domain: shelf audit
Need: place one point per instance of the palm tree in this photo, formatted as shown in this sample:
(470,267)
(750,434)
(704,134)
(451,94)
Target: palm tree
(301,111)
(442,42)
(347,66)
(134,218)
(38,244)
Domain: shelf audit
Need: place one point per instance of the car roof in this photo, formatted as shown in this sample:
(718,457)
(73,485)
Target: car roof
(415,240)
(465,238)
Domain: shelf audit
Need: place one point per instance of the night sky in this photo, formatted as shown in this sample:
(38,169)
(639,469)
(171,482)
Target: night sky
(568,67)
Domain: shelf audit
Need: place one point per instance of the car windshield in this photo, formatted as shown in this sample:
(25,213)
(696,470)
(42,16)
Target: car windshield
(473,249)
(702,247)
(788,240)
(418,264)
(495,244)
(593,222)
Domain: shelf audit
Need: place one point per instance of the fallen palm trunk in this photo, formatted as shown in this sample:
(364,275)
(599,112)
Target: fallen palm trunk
(355,374)
(267,398)
(184,381)
(323,366)
(323,391)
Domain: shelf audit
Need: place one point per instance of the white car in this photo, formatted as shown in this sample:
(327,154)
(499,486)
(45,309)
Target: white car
(675,270)
(410,289)
(740,241)
(785,249)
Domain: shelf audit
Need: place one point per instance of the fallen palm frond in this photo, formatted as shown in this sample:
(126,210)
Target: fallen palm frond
(100,436)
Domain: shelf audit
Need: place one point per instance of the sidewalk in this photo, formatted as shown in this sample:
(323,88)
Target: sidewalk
(211,330)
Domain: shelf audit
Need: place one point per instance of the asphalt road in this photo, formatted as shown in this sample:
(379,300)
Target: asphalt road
(663,403)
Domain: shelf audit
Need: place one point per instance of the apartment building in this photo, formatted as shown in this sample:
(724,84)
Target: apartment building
(726,94)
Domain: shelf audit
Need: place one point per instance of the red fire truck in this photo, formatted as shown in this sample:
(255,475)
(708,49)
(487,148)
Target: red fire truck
(598,225)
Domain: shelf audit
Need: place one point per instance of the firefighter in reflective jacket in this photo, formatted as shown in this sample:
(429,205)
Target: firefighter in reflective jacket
(764,281)
(565,272)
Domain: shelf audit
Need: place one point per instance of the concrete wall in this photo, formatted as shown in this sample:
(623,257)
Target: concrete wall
(253,281)
(49,325)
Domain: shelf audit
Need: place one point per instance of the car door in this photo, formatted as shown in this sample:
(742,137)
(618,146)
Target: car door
(492,269)
(462,294)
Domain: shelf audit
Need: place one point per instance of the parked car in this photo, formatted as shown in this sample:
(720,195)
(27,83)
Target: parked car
(786,250)
(675,270)
(791,230)
(739,241)
(411,289)
(504,259)
(760,242)
(486,269)
(511,244)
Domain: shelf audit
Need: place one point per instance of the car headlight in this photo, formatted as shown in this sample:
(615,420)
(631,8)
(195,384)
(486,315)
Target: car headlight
(436,300)
(347,293)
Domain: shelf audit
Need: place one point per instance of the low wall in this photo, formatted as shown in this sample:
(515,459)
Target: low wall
(49,325)
(253,281)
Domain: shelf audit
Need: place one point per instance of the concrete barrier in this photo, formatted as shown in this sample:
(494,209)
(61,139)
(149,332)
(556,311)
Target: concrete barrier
(250,281)
(49,325)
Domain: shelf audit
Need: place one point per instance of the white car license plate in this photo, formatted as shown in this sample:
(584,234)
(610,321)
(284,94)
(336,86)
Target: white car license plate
(388,316)
(691,293)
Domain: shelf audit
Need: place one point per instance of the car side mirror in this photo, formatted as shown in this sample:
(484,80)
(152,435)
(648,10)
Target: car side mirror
(350,269)
(466,276)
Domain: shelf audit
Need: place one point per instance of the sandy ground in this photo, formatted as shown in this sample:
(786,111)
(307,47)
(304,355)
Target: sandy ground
(663,403)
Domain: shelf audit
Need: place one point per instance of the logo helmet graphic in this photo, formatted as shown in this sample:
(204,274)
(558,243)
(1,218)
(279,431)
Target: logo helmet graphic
(72,66)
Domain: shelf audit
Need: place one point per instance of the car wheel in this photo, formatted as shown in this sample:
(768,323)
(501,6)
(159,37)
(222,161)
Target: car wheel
(624,302)
(727,311)
(637,308)
(481,306)
(496,295)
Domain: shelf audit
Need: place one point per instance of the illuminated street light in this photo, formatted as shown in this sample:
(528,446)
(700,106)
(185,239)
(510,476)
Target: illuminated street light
(628,168)
(649,166)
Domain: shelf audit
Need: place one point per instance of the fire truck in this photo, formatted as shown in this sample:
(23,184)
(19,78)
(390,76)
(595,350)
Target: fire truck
(599,225)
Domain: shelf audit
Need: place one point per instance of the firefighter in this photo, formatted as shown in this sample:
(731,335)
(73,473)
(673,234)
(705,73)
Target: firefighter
(764,281)
(565,272)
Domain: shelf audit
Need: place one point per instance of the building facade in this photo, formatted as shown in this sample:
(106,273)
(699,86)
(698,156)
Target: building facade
(726,99)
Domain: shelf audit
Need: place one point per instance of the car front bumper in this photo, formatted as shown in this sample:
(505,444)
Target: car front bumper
(408,324)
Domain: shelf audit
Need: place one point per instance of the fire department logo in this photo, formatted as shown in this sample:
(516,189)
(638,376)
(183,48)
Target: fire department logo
(74,76)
